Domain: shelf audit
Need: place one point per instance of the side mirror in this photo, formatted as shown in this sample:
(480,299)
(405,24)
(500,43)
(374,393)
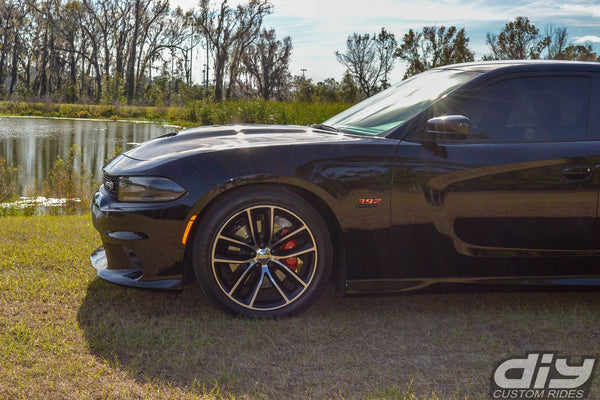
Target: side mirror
(448,127)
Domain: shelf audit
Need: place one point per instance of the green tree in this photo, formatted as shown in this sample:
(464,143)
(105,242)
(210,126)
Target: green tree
(347,89)
(303,89)
(326,90)
(69,180)
(580,52)
(434,47)
(8,181)
(519,40)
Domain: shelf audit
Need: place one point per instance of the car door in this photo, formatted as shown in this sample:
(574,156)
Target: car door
(517,197)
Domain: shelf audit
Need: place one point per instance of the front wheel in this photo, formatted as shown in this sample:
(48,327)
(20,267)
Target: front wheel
(262,252)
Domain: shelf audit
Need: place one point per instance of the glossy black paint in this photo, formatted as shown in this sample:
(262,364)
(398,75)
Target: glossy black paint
(449,210)
(335,169)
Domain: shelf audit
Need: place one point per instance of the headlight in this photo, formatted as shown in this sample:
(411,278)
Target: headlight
(144,189)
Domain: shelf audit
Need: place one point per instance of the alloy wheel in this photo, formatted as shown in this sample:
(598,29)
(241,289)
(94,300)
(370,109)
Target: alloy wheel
(264,257)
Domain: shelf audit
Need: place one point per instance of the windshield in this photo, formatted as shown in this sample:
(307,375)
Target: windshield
(392,107)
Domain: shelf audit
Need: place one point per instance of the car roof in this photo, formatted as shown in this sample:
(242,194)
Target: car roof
(525,65)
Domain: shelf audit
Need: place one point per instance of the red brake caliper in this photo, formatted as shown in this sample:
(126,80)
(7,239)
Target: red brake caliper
(291,262)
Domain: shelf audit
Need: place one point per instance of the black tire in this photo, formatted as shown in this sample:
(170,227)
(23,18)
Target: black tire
(275,266)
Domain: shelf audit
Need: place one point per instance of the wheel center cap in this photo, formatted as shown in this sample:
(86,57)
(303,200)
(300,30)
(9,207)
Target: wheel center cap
(263,256)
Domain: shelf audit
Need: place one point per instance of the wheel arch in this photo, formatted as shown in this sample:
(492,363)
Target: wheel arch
(338,272)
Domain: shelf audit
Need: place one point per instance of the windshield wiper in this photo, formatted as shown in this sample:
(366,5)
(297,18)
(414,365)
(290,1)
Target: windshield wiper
(324,127)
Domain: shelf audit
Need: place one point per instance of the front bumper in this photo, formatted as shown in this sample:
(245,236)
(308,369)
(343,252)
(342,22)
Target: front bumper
(141,244)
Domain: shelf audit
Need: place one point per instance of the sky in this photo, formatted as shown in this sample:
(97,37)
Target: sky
(319,28)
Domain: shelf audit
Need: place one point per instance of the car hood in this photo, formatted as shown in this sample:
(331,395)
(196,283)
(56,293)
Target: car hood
(214,138)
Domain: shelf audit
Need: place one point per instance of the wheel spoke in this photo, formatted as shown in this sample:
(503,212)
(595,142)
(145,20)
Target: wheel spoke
(251,225)
(257,287)
(241,279)
(297,253)
(271,224)
(276,285)
(286,270)
(235,241)
(230,260)
(289,236)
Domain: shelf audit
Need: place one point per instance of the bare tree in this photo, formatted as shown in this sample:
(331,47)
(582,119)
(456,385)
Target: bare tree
(12,22)
(369,59)
(64,20)
(107,50)
(25,52)
(247,35)
(557,41)
(94,30)
(268,61)
(227,29)
(162,31)
(385,43)
(360,58)
(184,20)
(147,22)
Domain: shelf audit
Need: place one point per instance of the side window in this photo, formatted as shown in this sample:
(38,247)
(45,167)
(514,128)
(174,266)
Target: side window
(528,109)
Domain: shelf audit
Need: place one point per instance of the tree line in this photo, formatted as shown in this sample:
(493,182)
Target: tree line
(137,51)
(142,52)
(369,60)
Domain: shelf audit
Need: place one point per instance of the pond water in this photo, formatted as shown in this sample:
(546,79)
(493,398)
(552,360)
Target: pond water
(33,144)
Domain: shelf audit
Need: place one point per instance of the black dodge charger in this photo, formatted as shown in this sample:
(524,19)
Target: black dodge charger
(469,173)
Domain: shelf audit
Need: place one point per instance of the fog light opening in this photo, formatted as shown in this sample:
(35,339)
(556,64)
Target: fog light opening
(134,258)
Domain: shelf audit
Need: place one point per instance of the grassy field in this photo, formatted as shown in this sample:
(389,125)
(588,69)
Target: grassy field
(87,111)
(65,334)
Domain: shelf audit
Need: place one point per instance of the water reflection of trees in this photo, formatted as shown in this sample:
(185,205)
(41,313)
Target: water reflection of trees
(35,144)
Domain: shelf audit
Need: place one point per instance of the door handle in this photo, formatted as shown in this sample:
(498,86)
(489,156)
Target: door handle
(577,173)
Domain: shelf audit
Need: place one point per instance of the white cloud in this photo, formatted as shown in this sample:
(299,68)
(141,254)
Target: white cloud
(406,10)
(582,10)
(588,38)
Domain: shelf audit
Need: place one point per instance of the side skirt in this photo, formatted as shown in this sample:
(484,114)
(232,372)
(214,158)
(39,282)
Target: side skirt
(358,287)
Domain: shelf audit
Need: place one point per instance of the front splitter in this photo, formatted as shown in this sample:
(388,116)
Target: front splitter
(128,277)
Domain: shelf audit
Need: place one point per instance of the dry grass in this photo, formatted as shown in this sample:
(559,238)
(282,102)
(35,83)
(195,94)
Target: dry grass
(66,334)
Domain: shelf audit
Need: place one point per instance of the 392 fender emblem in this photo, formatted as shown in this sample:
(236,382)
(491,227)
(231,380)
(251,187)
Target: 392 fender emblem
(367,202)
